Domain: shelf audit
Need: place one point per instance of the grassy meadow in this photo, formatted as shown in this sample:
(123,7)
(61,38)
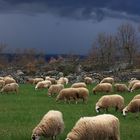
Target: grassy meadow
(19,114)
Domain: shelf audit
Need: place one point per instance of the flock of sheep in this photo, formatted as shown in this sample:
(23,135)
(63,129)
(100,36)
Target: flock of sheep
(98,127)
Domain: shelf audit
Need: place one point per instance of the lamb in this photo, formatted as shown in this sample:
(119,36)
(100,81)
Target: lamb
(137,96)
(88,80)
(135,86)
(101,127)
(108,80)
(131,83)
(50,126)
(79,84)
(43,84)
(133,106)
(107,101)
(102,87)
(10,88)
(36,80)
(83,94)
(55,89)
(121,87)
(68,94)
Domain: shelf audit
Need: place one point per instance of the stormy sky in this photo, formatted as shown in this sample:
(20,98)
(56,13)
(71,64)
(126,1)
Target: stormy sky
(62,26)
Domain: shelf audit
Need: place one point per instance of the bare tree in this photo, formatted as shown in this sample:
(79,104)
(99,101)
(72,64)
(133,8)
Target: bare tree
(103,50)
(127,42)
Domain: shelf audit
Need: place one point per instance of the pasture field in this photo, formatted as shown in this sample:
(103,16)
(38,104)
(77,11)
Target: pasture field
(19,114)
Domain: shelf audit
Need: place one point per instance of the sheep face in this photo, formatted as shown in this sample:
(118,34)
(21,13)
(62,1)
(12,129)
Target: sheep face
(35,137)
(58,98)
(125,112)
(97,108)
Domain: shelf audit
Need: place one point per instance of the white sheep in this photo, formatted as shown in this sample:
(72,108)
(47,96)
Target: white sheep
(12,87)
(43,84)
(121,87)
(36,80)
(68,94)
(103,87)
(135,86)
(79,84)
(107,80)
(53,80)
(88,80)
(101,127)
(131,83)
(63,80)
(107,101)
(50,126)
(55,89)
(83,94)
(133,106)
(9,80)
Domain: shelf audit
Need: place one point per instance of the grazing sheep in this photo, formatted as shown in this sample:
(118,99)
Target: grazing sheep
(63,80)
(30,80)
(79,84)
(131,83)
(101,127)
(2,83)
(83,94)
(10,88)
(102,87)
(68,94)
(36,80)
(50,126)
(88,80)
(137,96)
(53,80)
(121,87)
(133,106)
(135,86)
(9,80)
(55,89)
(43,84)
(108,80)
(107,101)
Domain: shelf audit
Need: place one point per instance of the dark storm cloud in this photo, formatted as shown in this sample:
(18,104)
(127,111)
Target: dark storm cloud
(77,9)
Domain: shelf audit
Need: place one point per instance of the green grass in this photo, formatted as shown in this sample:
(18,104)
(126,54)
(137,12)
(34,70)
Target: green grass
(19,114)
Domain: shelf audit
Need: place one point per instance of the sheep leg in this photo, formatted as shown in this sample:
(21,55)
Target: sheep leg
(137,115)
(53,137)
(65,100)
(83,100)
(106,110)
(116,108)
(75,100)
